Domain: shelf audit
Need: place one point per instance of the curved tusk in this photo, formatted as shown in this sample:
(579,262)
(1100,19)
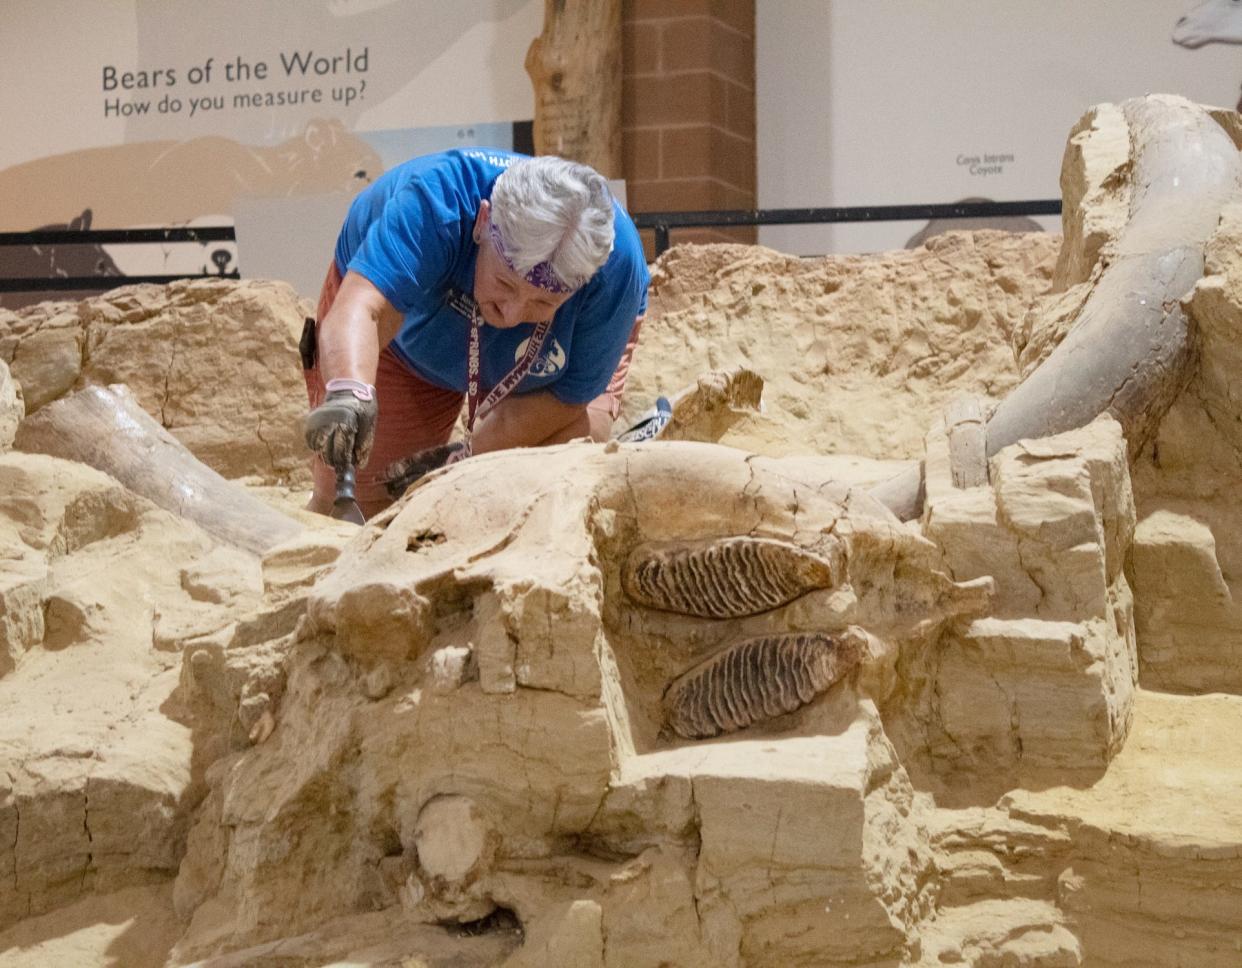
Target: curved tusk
(1131,349)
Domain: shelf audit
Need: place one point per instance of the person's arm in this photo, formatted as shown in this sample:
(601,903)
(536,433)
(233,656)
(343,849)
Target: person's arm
(360,323)
(528,420)
(407,249)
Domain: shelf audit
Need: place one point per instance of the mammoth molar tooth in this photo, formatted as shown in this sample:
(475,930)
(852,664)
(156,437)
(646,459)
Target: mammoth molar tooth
(759,679)
(728,578)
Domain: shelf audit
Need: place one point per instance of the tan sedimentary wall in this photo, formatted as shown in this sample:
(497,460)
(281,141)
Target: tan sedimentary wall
(857,352)
(216,363)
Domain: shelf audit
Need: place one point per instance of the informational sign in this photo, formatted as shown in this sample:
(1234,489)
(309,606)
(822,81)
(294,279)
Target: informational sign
(184,112)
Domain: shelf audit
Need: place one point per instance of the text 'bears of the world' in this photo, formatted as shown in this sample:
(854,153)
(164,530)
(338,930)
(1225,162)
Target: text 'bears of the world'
(292,64)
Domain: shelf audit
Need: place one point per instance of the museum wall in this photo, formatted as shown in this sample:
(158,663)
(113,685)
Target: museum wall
(885,102)
(270,115)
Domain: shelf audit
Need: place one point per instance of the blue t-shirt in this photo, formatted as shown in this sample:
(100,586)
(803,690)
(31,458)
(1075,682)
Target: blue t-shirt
(411,234)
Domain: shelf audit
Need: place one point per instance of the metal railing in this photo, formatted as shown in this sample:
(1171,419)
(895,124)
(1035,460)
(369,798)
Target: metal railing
(662,222)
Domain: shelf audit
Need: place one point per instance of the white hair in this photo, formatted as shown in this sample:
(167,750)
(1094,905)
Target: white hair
(552,210)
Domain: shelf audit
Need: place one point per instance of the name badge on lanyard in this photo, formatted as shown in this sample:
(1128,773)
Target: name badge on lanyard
(465,305)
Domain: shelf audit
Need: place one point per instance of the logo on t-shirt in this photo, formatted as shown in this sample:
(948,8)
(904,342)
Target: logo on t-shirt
(500,161)
(548,363)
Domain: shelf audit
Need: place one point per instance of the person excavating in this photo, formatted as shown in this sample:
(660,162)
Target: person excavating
(516,285)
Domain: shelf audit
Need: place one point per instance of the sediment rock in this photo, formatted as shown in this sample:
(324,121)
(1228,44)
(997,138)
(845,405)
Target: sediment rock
(214,361)
(1043,687)
(855,351)
(103,596)
(563,690)
(12,408)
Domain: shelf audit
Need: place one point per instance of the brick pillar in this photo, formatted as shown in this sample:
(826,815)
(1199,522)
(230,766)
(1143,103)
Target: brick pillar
(688,110)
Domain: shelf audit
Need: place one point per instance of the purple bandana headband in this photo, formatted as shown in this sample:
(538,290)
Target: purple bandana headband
(541,276)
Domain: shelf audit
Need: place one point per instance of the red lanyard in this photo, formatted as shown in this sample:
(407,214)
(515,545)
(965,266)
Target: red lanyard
(476,410)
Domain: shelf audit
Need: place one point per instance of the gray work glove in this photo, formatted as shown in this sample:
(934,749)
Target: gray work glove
(342,428)
(402,473)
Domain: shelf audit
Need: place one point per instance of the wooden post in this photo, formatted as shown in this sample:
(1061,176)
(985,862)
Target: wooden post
(575,66)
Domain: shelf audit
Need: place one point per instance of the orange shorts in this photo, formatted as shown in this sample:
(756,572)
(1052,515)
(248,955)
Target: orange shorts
(415,414)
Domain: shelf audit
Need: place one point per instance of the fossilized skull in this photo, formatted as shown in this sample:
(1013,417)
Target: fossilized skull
(674,554)
(547,627)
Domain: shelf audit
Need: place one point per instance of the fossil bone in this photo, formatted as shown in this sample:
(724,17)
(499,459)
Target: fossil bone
(105,428)
(707,408)
(1130,351)
(726,578)
(759,679)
